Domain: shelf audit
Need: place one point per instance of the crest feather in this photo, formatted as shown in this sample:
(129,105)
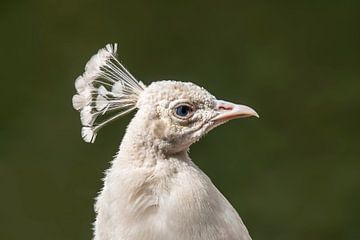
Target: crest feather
(105,92)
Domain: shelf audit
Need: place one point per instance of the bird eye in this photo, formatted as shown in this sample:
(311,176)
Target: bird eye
(183,111)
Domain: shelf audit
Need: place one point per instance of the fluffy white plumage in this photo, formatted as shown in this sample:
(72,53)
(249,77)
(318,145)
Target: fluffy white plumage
(153,191)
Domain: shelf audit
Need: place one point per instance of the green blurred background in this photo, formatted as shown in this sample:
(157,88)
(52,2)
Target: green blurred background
(292,174)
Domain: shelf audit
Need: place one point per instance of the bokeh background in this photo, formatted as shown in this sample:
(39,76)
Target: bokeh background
(292,174)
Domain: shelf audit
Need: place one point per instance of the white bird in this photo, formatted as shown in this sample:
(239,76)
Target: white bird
(153,190)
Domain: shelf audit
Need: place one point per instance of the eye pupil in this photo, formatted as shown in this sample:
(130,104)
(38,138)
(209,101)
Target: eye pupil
(183,110)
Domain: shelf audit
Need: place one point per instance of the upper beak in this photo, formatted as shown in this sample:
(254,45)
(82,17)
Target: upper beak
(228,111)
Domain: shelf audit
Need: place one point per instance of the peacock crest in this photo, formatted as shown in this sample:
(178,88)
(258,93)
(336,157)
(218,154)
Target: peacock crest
(105,92)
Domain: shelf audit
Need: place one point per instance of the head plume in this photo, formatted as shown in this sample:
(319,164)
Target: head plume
(105,92)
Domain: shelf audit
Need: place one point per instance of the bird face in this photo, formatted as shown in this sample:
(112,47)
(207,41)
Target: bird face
(182,112)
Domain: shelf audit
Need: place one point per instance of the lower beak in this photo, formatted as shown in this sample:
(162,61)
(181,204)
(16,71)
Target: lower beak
(228,111)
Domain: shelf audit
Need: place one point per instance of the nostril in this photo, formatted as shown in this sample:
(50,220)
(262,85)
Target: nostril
(225,108)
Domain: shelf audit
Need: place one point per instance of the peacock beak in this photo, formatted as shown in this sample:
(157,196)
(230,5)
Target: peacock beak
(228,111)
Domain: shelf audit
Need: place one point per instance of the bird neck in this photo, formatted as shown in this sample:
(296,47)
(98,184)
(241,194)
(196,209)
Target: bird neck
(141,146)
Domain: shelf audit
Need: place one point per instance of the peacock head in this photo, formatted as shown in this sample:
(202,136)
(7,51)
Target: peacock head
(176,113)
(182,112)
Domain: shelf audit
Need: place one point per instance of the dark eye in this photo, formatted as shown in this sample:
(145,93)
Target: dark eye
(183,111)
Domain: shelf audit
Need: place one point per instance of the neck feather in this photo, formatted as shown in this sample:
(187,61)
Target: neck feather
(141,146)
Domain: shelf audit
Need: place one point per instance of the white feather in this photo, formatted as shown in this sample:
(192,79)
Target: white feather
(101,102)
(88,134)
(86,117)
(78,102)
(80,84)
(97,60)
(111,48)
(102,91)
(81,100)
(90,76)
(117,88)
